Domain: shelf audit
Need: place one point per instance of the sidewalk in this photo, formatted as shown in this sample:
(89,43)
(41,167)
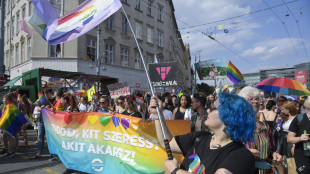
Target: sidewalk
(21,161)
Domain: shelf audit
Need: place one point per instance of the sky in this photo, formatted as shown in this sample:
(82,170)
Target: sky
(261,34)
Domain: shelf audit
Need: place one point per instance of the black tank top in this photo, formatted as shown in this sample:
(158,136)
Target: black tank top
(179,115)
(270,123)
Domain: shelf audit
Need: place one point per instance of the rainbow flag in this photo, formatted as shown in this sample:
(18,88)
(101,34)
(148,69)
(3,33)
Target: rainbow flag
(58,106)
(42,98)
(139,100)
(111,108)
(12,120)
(82,93)
(73,24)
(233,73)
(224,88)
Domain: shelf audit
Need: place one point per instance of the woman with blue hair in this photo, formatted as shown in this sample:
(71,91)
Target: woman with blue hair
(232,123)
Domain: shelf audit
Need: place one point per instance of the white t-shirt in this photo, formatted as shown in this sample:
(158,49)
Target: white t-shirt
(83,107)
(286,125)
(167,115)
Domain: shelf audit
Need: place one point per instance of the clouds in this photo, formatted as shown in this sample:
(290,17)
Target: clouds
(273,49)
(260,38)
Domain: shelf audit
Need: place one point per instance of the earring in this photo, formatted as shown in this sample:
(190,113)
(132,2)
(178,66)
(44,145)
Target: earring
(225,130)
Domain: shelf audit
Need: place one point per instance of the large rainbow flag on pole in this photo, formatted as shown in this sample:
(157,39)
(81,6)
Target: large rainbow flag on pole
(12,120)
(233,73)
(74,24)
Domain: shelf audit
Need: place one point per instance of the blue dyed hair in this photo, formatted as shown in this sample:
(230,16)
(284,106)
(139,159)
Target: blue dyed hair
(238,116)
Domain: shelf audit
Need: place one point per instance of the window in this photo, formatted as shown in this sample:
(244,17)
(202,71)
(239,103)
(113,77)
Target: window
(8,31)
(13,3)
(54,50)
(7,59)
(149,35)
(30,9)
(124,57)
(9,7)
(137,61)
(149,58)
(28,48)
(139,30)
(13,27)
(57,5)
(110,23)
(91,49)
(17,23)
(160,10)
(23,12)
(109,52)
(16,55)
(124,26)
(149,8)
(138,4)
(22,53)
(160,39)
(12,57)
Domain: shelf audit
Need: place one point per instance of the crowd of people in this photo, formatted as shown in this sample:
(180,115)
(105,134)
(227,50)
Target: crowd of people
(230,133)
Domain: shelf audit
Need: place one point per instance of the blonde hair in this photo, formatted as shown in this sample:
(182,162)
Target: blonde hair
(307,103)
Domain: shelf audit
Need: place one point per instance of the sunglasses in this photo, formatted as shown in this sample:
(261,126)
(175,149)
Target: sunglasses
(101,102)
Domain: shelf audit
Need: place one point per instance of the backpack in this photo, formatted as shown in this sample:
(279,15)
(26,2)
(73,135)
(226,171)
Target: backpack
(299,118)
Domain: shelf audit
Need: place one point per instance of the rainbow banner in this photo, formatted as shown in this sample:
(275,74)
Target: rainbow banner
(74,24)
(12,120)
(233,73)
(104,143)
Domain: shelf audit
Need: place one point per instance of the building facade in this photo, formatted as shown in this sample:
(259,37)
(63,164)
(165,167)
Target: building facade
(286,72)
(153,23)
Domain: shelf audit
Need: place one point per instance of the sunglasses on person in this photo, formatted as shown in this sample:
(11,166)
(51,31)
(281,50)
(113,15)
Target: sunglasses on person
(120,103)
(101,102)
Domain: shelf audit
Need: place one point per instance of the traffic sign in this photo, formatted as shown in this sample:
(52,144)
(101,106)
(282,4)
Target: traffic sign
(3,80)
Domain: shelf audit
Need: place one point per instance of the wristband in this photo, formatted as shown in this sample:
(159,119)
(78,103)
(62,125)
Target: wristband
(175,171)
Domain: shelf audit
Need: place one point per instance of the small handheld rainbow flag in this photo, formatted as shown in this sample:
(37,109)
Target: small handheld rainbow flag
(42,97)
(139,100)
(12,120)
(233,73)
(224,88)
(58,106)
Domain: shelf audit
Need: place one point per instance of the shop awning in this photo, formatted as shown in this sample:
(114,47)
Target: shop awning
(12,82)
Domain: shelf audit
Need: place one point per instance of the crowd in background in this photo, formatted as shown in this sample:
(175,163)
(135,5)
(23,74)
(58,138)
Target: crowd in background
(282,124)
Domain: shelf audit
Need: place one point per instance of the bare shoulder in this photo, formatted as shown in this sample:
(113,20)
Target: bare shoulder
(222,171)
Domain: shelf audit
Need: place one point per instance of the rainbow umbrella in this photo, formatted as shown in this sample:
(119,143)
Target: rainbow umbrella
(283,86)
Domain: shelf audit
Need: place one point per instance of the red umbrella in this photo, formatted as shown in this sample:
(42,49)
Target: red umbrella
(283,86)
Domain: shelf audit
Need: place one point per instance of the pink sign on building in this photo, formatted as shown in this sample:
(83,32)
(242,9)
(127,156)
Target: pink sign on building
(301,76)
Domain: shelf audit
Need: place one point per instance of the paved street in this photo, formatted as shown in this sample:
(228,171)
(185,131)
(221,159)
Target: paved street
(21,162)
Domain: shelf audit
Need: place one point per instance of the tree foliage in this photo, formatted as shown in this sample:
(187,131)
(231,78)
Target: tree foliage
(205,88)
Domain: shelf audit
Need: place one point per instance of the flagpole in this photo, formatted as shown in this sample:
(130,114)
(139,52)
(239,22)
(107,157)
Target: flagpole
(167,146)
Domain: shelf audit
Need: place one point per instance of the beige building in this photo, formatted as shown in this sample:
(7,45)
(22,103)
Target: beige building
(153,22)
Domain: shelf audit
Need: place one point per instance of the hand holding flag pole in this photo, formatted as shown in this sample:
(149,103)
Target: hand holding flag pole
(166,142)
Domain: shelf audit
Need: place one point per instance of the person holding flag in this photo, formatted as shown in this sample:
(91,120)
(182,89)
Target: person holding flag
(45,100)
(220,152)
(11,122)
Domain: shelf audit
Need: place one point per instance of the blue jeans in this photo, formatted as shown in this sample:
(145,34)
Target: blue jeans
(41,134)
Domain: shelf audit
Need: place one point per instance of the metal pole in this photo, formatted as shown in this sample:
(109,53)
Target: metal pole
(2,38)
(195,74)
(168,150)
(98,50)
